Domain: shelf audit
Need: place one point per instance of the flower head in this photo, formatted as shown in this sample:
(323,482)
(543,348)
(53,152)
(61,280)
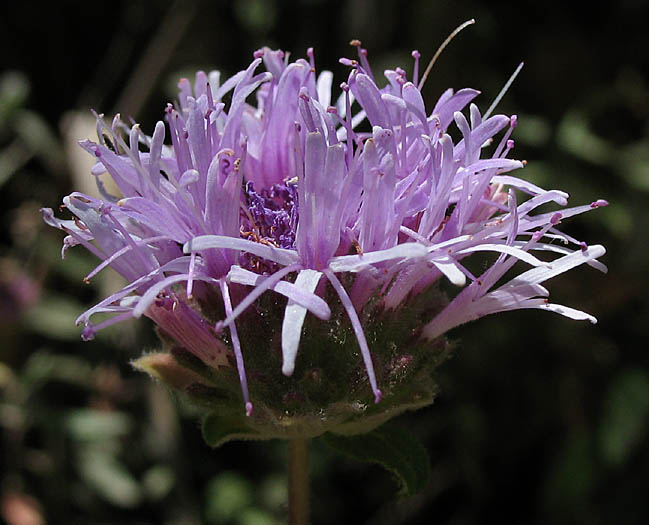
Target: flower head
(352,211)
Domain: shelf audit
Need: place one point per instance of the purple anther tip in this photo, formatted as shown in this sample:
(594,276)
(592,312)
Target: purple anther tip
(249,409)
(600,203)
(510,144)
(347,62)
(218,327)
(309,52)
(556,218)
(415,54)
(97,153)
(344,86)
(536,236)
(378,395)
(88,333)
(258,54)
(584,246)
(513,121)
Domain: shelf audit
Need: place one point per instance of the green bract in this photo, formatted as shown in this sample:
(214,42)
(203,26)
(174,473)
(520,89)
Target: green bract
(328,392)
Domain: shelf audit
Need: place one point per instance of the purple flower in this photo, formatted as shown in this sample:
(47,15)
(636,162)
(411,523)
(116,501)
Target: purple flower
(361,204)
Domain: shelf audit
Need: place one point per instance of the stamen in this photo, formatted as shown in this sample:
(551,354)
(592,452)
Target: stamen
(267,284)
(415,75)
(348,125)
(358,330)
(503,91)
(599,203)
(119,253)
(441,48)
(311,55)
(236,345)
(190,276)
(362,56)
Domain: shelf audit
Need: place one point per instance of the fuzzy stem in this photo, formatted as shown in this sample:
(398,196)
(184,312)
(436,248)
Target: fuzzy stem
(298,482)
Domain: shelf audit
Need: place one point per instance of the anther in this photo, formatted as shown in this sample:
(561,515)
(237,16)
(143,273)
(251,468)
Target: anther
(348,62)
(88,333)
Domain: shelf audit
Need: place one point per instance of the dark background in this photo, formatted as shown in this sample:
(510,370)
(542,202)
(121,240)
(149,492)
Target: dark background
(540,419)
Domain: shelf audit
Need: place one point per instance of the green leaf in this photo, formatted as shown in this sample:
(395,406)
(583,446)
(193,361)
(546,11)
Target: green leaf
(158,481)
(53,316)
(227,496)
(626,417)
(395,449)
(85,424)
(219,429)
(109,477)
(573,475)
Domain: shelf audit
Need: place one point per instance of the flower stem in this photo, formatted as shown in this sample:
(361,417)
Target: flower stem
(298,482)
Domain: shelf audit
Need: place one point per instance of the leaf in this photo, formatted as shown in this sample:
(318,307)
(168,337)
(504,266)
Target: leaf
(228,494)
(109,477)
(158,481)
(394,449)
(85,424)
(573,474)
(626,416)
(42,367)
(219,429)
(53,316)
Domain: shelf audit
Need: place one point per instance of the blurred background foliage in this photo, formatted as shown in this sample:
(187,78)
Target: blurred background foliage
(539,420)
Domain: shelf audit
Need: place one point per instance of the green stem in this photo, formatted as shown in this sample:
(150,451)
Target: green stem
(298,482)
